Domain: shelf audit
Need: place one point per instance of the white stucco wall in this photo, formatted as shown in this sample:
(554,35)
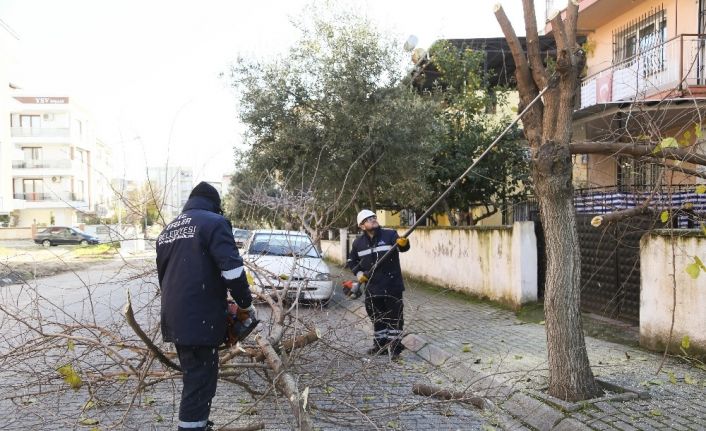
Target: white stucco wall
(498,263)
(15,233)
(332,250)
(657,290)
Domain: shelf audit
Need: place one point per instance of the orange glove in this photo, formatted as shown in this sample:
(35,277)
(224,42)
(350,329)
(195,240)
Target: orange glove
(402,242)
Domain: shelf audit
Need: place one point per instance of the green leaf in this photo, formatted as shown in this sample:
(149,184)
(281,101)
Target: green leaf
(122,377)
(518,357)
(70,376)
(697,131)
(655,412)
(70,345)
(89,405)
(685,342)
(669,142)
(664,216)
(329,390)
(700,189)
(693,270)
(159,418)
(703,229)
(699,262)
(689,380)
(466,348)
(672,377)
(88,421)
(149,400)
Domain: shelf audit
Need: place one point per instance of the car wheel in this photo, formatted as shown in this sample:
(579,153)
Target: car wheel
(83,242)
(46,243)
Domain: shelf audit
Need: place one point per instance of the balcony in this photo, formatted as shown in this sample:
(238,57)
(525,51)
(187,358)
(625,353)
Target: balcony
(42,197)
(40,132)
(42,164)
(674,64)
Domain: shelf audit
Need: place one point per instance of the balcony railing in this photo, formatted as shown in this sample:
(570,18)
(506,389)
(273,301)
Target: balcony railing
(41,164)
(37,197)
(40,132)
(676,63)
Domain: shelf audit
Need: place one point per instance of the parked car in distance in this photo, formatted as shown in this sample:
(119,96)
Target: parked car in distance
(288,256)
(59,235)
(240,236)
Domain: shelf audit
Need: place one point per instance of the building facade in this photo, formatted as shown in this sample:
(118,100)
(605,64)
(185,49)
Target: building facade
(57,162)
(172,186)
(645,81)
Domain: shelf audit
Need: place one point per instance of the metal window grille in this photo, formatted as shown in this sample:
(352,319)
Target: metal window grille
(642,35)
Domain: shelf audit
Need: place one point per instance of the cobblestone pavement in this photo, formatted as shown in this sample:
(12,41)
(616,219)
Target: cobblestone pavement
(472,341)
(492,341)
(347,389)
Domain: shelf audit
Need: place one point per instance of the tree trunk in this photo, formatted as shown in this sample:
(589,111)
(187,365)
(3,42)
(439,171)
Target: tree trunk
(570,375)
(547,127)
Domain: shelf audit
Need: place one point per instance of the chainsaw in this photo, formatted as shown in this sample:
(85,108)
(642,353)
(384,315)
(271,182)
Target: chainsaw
(353,289)
(239,324)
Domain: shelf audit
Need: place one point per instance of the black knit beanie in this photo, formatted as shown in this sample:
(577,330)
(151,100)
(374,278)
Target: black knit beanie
(208,191)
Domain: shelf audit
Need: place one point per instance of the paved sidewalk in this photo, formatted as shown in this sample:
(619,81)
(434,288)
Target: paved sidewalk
(485,340)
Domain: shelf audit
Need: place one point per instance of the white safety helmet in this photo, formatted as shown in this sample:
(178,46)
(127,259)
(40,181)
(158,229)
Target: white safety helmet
(363,215)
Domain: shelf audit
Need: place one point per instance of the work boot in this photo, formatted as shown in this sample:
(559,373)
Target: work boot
(210,426)
(395,350)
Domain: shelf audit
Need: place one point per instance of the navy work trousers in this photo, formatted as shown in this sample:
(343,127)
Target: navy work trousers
(385,309)
(200,367)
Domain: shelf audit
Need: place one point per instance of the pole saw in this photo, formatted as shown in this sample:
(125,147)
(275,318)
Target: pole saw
(354,289)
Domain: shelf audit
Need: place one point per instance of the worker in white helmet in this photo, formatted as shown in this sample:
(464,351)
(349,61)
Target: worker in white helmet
(383,294)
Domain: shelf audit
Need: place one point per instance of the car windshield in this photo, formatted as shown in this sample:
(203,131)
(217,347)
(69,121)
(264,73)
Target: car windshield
(241,234)
(282,245)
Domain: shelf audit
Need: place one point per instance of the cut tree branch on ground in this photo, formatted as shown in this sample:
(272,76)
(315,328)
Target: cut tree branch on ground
(448,394)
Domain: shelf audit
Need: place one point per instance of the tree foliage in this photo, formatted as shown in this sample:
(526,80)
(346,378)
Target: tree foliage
(333,124)
(468,126)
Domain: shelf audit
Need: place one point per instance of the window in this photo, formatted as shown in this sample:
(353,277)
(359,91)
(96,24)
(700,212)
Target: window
(32,189)
(78,192)
(635,175)
(26,121)
(283,245)
(32,153)
(644,36)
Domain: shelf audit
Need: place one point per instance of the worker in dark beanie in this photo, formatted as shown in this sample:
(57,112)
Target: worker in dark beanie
(197,264)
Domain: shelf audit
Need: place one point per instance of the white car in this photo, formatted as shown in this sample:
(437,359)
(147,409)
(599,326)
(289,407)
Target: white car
(281,256)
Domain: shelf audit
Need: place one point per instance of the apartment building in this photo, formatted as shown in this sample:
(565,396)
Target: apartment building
(645,81)
(60,171)
(174,184)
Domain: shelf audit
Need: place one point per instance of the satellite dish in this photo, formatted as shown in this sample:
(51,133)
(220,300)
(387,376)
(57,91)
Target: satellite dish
(411,43)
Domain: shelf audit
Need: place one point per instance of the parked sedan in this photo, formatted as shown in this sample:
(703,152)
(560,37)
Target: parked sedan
(288,256)
(57,235)
(240,236)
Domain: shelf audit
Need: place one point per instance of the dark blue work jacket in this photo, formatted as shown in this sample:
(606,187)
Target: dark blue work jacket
(366,251)
(197,263)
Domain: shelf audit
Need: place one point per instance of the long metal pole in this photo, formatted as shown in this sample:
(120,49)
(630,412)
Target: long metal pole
(458,180)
